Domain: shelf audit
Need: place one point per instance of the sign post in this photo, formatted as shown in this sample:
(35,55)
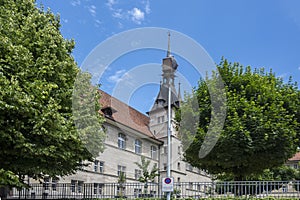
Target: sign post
(167,184)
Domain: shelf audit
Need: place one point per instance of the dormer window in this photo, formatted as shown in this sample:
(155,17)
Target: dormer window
(108,111)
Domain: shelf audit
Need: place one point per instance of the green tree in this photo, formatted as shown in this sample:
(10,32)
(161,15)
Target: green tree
(146,176)
(261,129)
(37,76)
(121,185)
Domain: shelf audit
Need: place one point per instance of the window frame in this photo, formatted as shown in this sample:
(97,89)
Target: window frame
(121,169)
(121,141)
(153,150)
(96,165)
(137,174)
(101,167)
(138,146)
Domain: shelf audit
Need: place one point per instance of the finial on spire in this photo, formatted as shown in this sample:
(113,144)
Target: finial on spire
(169,48)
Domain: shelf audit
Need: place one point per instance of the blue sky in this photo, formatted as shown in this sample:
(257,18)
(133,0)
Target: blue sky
(256,33)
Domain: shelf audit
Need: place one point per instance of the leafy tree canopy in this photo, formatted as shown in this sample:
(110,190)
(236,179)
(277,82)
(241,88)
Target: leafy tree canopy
(261,129)
(147,175)
(37,75)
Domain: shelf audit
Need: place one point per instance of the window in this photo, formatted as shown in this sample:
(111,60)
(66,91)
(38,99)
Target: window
(98,166)
(73,185)
(96,163)
(160,119)
(46,183)
(198,187)
(165,166)
(178,165)
(165,150)
(137,191)
(138,146)
(121,141)
(54,183)
(80,185)
(179,150)
(108,111)
(296,166)
(121,169)
(98,188)
(137,174)
(95,188)
(101,167)
(153,152)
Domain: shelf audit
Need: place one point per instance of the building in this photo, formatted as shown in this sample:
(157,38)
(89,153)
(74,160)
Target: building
(131,134)
(294,161)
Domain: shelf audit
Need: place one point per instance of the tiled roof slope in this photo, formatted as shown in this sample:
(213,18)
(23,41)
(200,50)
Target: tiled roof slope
(125,114)
(296,157)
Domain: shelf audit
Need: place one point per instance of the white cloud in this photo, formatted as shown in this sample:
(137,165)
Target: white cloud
(92,10)
(117,77)
(122,78)
(298,68)
(147,7)
(75,3)
(117,13)
(137,15)
(98,23)
(110,4)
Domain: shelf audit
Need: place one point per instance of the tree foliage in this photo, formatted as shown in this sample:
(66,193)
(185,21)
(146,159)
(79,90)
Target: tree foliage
(261,129)
(37,75)
(147,175)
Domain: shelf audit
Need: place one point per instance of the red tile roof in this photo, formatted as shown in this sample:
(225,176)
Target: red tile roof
(296,157)
(125,114)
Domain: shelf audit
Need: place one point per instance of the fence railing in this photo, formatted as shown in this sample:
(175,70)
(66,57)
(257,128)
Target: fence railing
(196,190)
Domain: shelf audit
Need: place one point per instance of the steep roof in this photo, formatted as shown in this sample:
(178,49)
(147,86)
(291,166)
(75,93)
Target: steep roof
(296,157)
(163,98)
(126,115)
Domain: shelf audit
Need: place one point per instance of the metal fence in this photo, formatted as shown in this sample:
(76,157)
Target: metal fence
(277,189)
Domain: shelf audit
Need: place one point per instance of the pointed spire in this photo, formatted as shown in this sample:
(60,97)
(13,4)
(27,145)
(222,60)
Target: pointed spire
(160,97)
(169,48)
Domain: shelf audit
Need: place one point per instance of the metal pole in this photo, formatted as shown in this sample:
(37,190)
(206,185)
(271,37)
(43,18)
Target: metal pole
(169,140)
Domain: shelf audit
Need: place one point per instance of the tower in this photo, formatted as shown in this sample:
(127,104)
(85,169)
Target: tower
(158,112)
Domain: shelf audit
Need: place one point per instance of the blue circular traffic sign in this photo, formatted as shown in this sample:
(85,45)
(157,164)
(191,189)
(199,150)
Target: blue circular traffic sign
(168,180)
